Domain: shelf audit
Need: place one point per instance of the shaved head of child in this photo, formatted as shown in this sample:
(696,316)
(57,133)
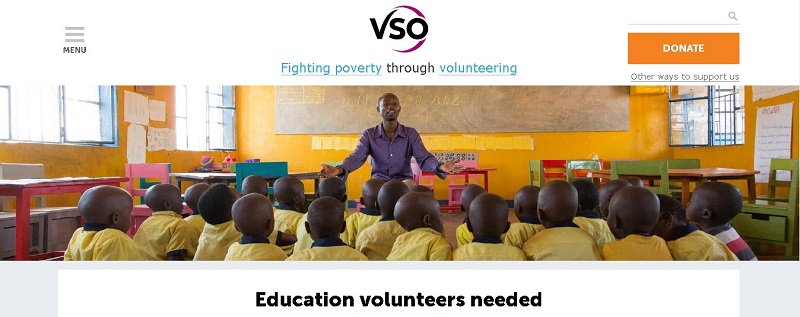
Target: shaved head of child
(418,210)
(488,216)
(671,218)
(369,192)
(106,205)
(526,203)
(714,204)
(193,194)
(421,189)
(252,215)
(333,187)
(558,202)
(162,197)
(254,184)
(588,198)
(290,191)
(633,210)
(215,204)
(325,216)
(468,194)
(634,181)
(388,196)
(607,191)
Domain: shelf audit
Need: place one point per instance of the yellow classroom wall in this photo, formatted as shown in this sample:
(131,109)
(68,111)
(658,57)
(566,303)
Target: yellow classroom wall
(741,156)
(94,161)
(646,139)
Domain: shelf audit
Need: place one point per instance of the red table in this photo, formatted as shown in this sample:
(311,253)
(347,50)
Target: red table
(23,189)
(466,173)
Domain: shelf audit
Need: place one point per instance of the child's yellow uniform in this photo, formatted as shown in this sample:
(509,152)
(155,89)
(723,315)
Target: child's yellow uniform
(357,222)
(519,233)
(100,243)
(562,242)
(328,249)
(196,222)
(376,241)
(463,235)
(165,234)
(215,241)
(596,226)
(253,248)
(421,244)
(696,245)
(488,249)
(304,240)
(286,220)
(637,248)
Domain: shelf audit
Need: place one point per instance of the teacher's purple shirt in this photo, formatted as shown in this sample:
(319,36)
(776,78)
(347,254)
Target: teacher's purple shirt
(391,159)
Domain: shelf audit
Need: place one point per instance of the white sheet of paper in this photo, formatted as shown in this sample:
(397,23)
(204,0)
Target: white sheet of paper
(773,139)
(137,136)
(136,108)
(158,110)
(161,139)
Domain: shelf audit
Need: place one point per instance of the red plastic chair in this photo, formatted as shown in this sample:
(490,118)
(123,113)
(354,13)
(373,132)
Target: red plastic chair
(554,169)
(158,171)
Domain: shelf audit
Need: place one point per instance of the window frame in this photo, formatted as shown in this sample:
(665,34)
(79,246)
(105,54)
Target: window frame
(228,97)
(712,97)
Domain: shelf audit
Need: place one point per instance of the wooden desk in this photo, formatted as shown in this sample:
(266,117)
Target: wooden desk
(466,173)
(23,189)
(686,176)
(229,178)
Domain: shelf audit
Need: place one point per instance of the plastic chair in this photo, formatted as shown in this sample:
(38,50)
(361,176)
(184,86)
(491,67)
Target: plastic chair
(21,171)
(553,169)
(656,169)
(536,173)
(419,178)
(454,189)
(772,222)
(158,171)
(579,169)
(680,164)
(271,171)
(144,184)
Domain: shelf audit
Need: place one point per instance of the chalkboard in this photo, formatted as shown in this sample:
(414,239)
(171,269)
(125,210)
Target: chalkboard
(453,109)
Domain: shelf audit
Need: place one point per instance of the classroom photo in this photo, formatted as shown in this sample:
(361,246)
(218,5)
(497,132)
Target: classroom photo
(399,173)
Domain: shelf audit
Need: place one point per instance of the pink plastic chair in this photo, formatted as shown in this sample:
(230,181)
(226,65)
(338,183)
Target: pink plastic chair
(454,189)
(158,171)
(419,177)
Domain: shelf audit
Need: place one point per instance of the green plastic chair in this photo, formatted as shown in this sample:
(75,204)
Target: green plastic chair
(772,222)
(536,172)
(269,170)
(675,190)
(581,165)
(144,184)
(644,168)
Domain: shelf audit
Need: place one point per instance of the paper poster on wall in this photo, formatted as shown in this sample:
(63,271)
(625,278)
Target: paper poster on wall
(161,139)
(136,144)
(158,110)
(773,139)
(766,92)
(137,109)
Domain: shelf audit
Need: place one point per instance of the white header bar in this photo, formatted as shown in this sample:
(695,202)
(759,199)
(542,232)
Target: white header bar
(307,42)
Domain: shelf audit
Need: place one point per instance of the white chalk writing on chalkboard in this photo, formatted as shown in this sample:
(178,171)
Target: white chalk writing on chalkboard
(773,139)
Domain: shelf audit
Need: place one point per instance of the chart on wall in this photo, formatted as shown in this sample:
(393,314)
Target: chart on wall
(773,139)
(454,109)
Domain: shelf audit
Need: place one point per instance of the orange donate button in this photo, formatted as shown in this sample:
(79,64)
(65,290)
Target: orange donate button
(683,48)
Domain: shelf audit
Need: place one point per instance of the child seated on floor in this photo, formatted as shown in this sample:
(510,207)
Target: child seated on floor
(191,197)
(607,191)
(329,187)
(713,205)
(685,241)
(360,220)
(632,214)
(588,218)
(463,235)
(488,220)
(376,241)
(525,204)
(419,214)
(106,212)
(219,233)
(253,217)
(290,194)
(164,235)
(562,240)
(325,225)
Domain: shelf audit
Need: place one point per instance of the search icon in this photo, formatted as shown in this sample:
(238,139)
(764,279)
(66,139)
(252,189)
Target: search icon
(732,15)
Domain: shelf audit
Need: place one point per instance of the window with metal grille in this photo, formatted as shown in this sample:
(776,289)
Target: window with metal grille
(706,116)
(59,114)
(205,118)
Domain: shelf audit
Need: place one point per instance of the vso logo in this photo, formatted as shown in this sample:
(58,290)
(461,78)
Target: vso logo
(405,25)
